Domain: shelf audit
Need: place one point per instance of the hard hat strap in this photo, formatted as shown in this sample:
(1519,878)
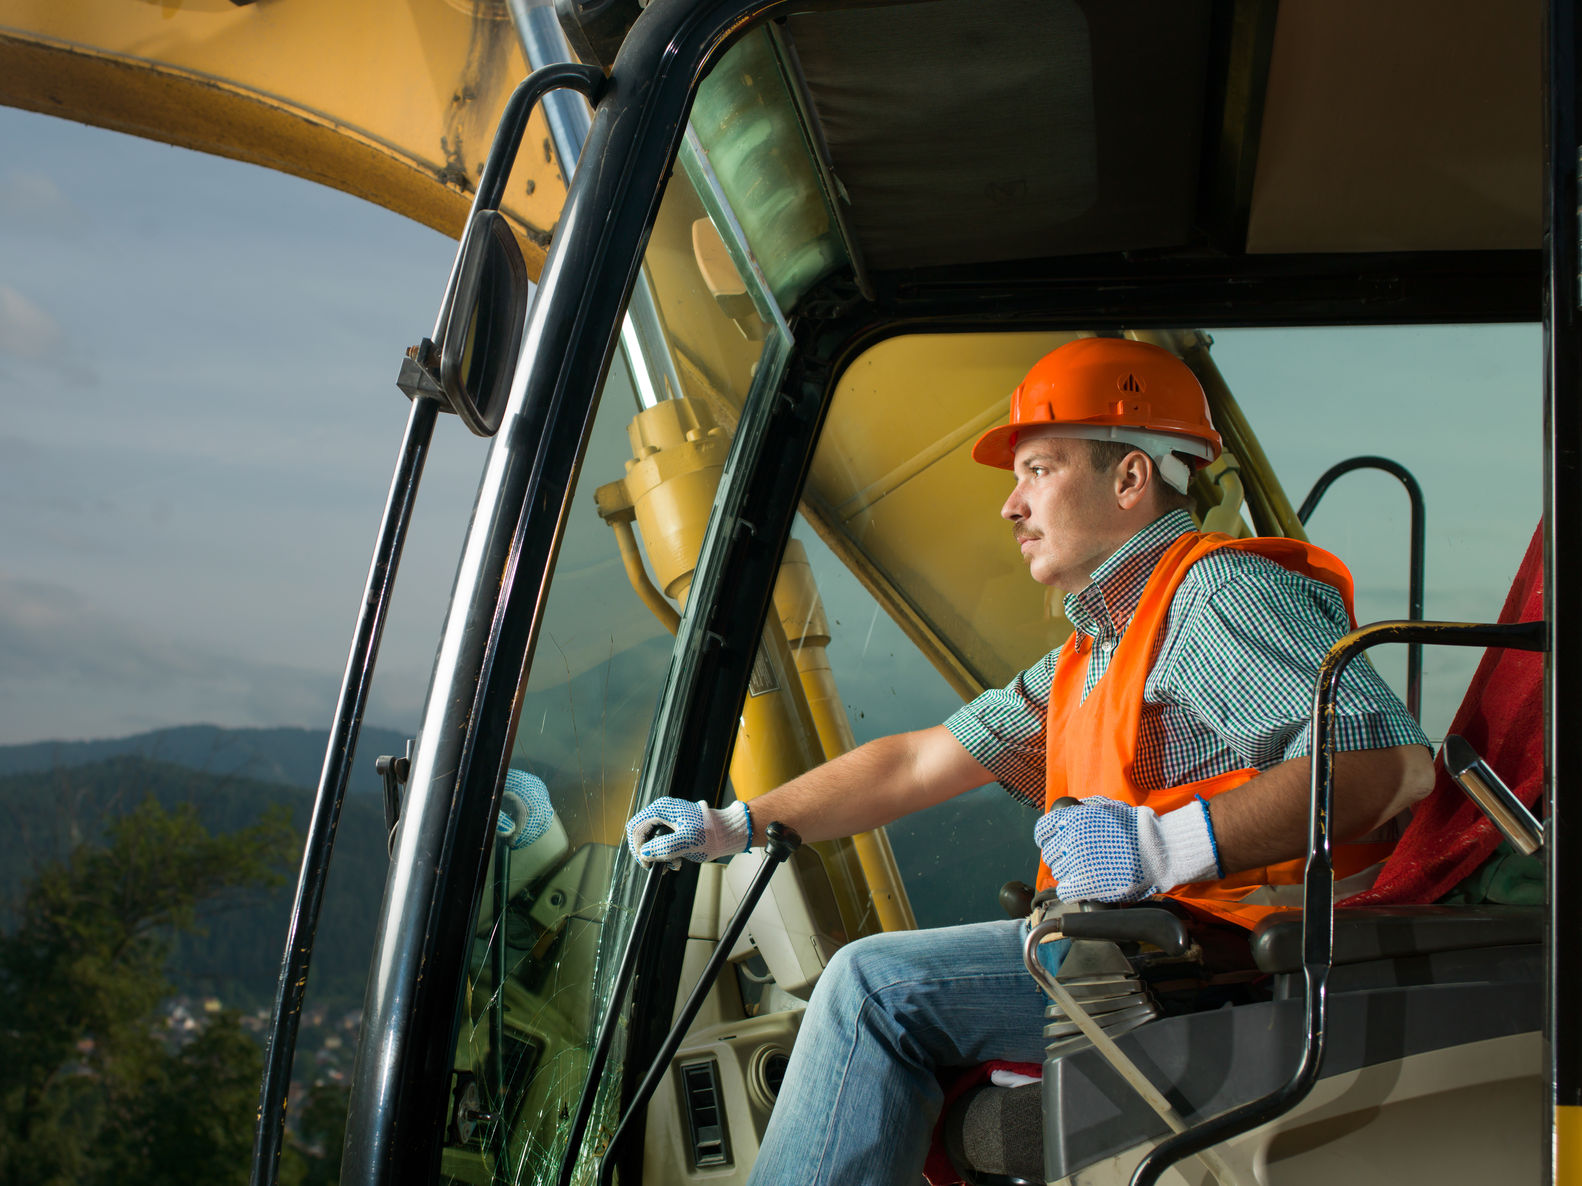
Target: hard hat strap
(1162,447)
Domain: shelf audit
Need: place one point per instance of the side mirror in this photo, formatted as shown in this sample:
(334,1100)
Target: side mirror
(594,29)
(483,323)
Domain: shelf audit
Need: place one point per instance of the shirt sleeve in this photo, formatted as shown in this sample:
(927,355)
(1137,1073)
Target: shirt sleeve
(1004,729)
(1245,659)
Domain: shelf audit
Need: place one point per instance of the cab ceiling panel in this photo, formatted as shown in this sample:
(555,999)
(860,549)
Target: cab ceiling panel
(968,133)
(1411,125)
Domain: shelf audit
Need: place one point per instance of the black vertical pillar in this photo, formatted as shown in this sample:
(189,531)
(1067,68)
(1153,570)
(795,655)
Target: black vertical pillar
(1562,579)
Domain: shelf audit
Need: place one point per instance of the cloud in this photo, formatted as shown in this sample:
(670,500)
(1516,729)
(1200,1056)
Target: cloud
(30,334)
(26,330)
(15,450)
(31,201)
(70,669)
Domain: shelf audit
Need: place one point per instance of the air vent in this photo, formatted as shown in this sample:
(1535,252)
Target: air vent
(775,1073)
(700,1092)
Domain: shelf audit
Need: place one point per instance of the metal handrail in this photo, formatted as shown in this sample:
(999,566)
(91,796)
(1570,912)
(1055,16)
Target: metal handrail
(318,846)
(1318,901)
(1415,557)
(280,1053)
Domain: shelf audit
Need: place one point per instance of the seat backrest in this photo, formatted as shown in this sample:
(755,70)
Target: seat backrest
(1501,716)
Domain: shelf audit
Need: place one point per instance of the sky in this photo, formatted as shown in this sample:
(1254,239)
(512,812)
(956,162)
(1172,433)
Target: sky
(197,364)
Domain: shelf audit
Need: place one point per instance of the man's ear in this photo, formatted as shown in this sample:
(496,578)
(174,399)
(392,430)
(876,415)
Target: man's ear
(1134,478)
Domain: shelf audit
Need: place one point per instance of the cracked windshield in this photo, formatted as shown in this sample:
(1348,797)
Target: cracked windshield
(555,906)
(833,668)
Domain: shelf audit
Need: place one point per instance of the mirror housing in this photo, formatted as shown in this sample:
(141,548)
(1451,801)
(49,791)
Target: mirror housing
(485,314)
(594,29)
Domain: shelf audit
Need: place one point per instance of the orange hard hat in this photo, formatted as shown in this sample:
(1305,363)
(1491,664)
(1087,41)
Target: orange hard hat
(1108,389)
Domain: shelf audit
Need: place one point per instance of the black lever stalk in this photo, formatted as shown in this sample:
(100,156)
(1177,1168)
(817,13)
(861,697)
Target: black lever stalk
(779,843)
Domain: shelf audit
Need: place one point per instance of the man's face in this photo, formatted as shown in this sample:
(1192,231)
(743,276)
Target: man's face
(1066,516)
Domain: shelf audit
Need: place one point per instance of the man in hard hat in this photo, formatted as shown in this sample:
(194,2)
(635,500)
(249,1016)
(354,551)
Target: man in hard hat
(1176,713)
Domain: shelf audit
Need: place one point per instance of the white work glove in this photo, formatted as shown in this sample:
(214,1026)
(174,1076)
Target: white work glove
(525,810)
(698,832)
(1102,850)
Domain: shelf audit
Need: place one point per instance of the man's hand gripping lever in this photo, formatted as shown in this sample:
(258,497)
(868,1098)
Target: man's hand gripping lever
(779,843)
(1103,850)
(673,830)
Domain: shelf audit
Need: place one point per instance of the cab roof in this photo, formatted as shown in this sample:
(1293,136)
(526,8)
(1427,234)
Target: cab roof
(1094,139)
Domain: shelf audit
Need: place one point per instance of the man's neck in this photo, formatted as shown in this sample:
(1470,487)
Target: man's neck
(1115,586)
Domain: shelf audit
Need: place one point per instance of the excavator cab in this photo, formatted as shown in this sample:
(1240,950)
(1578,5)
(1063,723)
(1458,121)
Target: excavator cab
(738,282)
(805,252)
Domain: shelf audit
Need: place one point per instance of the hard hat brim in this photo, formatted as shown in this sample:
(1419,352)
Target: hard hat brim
(997,447)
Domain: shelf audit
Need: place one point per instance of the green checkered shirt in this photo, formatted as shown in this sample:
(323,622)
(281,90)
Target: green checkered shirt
(1232,686)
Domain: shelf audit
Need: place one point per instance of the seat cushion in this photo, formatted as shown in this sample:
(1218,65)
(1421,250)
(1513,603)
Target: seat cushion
(998,1131)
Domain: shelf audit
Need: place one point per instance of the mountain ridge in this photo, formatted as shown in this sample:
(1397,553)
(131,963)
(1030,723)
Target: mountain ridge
(286,754)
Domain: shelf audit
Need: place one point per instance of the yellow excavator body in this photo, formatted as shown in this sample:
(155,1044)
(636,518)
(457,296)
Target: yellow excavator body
(394,103)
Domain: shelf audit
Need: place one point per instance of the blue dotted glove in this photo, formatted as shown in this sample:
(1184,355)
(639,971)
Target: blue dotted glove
(697,832)
(525,811)
(1105,851)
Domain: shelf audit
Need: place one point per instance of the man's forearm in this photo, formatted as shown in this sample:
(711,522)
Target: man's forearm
(1266,820)
(870,786)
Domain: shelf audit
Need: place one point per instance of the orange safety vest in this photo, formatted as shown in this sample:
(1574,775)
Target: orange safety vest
(1093,742)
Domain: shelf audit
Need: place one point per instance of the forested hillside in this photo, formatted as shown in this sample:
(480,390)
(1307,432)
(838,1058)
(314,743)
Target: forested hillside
(108,1075)
(48,813)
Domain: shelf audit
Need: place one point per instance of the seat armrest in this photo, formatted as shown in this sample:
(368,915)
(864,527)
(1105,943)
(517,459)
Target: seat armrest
(1390,932)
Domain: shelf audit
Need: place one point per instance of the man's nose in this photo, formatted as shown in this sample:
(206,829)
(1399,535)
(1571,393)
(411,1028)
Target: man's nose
(1015,508)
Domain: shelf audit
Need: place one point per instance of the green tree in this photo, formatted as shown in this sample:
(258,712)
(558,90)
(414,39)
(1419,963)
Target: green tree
(322,1129)
(83,1064)
(191,1121)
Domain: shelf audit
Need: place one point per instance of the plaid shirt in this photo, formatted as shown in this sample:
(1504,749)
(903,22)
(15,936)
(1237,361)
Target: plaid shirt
(1231,688)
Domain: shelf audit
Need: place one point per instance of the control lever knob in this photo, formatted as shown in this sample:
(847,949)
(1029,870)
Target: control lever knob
(780,841)
(1016,899)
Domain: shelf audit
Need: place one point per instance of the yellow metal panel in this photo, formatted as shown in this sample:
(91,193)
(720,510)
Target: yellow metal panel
(1568,1146)
(896,494)
(393,102)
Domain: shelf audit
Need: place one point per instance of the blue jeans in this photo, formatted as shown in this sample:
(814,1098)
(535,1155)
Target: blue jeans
(860,1096)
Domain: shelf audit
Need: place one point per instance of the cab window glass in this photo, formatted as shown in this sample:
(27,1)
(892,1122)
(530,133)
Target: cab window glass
(928,600)
(555,906)
(1460,406)
(954,857)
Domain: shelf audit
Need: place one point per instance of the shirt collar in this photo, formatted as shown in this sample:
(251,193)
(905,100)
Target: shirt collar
(1107,604)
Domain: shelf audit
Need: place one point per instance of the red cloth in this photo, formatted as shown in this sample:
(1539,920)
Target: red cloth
(937,1170)
(1502,718)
